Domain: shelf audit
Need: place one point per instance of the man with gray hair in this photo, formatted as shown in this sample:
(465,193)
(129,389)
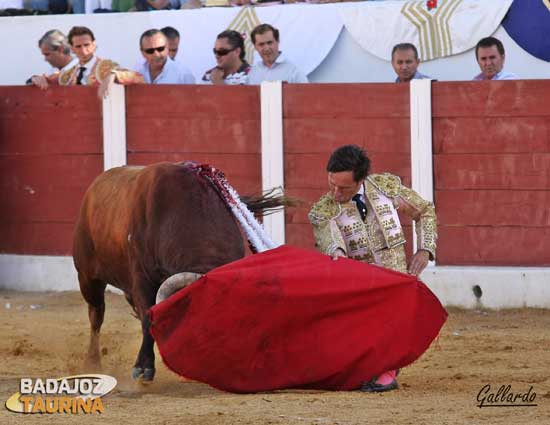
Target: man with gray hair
(57,52)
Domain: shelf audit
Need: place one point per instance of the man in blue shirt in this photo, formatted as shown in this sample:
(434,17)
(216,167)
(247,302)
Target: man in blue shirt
(158,67)
(273,66)
(405,61)
(490,58)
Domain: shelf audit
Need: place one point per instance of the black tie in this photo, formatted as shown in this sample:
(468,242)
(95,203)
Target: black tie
(361,206)
(80,75)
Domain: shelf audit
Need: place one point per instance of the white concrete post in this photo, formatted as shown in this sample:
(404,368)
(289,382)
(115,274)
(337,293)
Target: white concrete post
(272,152)
(114,127)
(421,140)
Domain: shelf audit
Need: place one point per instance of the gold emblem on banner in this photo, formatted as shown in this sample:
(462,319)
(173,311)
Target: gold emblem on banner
(245,21)
(433,27)
(547,4)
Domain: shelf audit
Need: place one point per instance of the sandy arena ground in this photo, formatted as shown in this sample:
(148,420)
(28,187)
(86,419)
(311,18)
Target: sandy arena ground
(45,335)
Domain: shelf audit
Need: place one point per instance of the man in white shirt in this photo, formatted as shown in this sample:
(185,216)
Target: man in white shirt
(273,66)
(158,68)
(57,52)
(490,58)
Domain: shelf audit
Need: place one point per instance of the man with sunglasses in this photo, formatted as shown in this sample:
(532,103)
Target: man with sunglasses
(231,67)
(158,67)
(273,66)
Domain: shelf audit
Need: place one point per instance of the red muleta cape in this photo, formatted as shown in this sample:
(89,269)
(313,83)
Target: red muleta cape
(292,318)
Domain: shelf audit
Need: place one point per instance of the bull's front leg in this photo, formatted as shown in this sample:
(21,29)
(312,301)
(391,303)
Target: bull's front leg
(144,367)
(144,298)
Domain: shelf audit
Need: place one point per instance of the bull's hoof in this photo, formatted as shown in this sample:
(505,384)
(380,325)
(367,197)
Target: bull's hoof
(148,374)
(137,372)
(145,375)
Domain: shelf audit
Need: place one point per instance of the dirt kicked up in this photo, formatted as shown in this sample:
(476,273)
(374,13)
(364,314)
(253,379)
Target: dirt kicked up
(492,356)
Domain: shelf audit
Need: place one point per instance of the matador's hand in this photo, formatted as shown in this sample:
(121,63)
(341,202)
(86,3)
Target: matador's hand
(338,253)
(103,90)
(419,261)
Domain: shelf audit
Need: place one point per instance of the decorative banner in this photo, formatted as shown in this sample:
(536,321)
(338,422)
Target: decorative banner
(432,24)
(528,23)
(244,23)
(438,28)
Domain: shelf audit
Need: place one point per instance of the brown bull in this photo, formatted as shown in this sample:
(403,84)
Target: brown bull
(140,225)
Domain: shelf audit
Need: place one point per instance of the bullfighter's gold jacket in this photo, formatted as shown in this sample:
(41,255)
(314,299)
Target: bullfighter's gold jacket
(379,239)
(100,70)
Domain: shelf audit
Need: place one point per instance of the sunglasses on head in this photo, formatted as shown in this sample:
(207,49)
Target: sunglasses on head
(152,50)
(222,52)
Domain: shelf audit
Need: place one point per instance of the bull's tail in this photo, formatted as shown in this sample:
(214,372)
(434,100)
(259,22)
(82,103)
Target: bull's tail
(268,203)
(243,208)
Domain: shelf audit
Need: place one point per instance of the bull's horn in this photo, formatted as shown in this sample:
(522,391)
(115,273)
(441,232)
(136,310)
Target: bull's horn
(175,283)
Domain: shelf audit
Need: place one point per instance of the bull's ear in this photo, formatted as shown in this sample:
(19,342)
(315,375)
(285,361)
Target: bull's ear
(174,283)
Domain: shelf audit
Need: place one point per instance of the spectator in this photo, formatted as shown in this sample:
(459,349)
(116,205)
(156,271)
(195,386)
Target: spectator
(158,68)
(405,61)
(273,66)
(490,58)
(79,6)
(173,40)
(231,67)
(54,7)
(123,5)
(149,5)
(56,51)
(90,69)
(191,4)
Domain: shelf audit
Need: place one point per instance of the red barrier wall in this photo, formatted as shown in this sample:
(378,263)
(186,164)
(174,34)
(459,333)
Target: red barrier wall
(211,124)
(491,155)
(492,172)
(50,151)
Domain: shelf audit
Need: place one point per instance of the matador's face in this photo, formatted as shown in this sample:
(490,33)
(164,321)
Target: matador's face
(342,186)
